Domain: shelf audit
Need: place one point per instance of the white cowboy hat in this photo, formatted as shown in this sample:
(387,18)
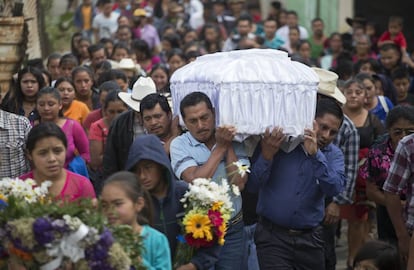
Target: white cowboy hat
(327,85)
(142,87)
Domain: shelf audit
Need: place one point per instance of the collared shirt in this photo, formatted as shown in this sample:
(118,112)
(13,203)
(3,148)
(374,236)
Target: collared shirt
(347,140)
(187,152)
(292,186)
(401,175)
(13,134)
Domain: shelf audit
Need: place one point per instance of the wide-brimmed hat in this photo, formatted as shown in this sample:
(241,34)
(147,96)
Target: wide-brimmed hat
(357,19)
(327,85)
(129,64)
(142,87)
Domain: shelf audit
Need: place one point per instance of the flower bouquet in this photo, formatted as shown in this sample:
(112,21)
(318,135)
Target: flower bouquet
(207,212)
(38,233)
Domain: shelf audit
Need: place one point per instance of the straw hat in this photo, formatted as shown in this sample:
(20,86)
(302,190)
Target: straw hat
(327,85)
(142,87)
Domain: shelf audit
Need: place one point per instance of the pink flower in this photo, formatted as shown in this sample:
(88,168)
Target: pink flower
(215,218)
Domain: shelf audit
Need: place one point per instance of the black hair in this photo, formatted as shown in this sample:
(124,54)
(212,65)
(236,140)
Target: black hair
(396,19)
(317,19)
(292,12)
(109,86)
(51,57)
(192,54)
(48,75)
(151,100)
(111,97)
(193,99)
(176,52)
(80,69)
(64,79)
(115,74)
(72,43)
(294,28)
(173,39)
(166,70)
(350,82)
(129,182)
(400,73)
(141,45)
(51,91)
(374,64)
(94,48)
(329,106)
(14,98)
(245,17)
(364,76)
(44,130)
(301,43)
(399,112)
(121,45)
(390,46)
(36,63)
(384,255)
(68,58)
(387,86)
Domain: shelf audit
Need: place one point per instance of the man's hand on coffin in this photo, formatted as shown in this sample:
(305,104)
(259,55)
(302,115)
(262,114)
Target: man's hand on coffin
(271,142)
(310,141)
(225,135)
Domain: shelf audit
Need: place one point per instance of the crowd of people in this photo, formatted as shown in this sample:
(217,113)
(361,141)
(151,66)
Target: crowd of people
(98,122)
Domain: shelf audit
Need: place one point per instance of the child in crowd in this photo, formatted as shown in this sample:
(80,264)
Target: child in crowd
(401,80)
(395,35)
(71,108)
(124,201)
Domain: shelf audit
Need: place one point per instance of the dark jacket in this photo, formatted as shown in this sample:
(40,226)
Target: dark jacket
(78,19)
(169,210)
(120,138)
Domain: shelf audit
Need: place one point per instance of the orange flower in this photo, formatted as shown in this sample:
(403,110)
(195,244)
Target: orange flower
(216,206)
(20,253)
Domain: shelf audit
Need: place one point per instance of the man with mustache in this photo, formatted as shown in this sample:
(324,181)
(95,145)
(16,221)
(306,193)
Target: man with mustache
(157,119)
(207,151)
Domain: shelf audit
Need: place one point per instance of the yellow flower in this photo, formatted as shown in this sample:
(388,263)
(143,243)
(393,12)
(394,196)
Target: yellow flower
(216,206)
(3,198)
(199,226)
(221,241)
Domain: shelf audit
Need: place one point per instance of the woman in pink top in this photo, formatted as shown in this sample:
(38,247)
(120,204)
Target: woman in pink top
(49,106)
(112,107)
(46,147)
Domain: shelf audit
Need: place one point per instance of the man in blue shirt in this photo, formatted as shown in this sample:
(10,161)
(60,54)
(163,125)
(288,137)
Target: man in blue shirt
(208,151)
(292,188)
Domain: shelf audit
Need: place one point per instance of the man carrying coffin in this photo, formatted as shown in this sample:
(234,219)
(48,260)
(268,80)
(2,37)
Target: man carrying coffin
(292,188)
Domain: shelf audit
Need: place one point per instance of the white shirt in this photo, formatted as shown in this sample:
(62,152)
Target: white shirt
(283,33)
(106,26)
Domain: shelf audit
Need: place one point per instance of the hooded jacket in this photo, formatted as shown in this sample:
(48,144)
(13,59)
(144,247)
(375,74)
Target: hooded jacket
(168,210)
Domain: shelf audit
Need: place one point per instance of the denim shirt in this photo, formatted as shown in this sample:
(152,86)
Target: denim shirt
(292,186)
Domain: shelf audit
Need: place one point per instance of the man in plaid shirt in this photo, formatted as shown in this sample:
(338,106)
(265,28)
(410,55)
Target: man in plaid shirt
(13,133)
(401,175)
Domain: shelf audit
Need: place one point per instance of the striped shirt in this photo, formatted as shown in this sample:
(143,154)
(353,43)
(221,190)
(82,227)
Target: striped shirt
(401,175)
(13,135)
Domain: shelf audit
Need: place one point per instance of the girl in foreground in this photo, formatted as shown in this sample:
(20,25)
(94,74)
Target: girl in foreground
(46,148)
(124,201)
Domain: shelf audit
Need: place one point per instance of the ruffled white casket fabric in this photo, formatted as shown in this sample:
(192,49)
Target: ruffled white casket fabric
(252,90)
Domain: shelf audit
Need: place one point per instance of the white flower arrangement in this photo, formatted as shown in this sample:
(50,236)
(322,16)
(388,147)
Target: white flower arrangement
(27,190)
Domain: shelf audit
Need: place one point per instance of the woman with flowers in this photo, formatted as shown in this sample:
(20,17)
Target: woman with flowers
(125,202)
(46,149)
(399,123)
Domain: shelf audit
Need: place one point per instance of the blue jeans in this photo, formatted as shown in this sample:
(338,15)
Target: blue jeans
(231,254)
(250,261)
